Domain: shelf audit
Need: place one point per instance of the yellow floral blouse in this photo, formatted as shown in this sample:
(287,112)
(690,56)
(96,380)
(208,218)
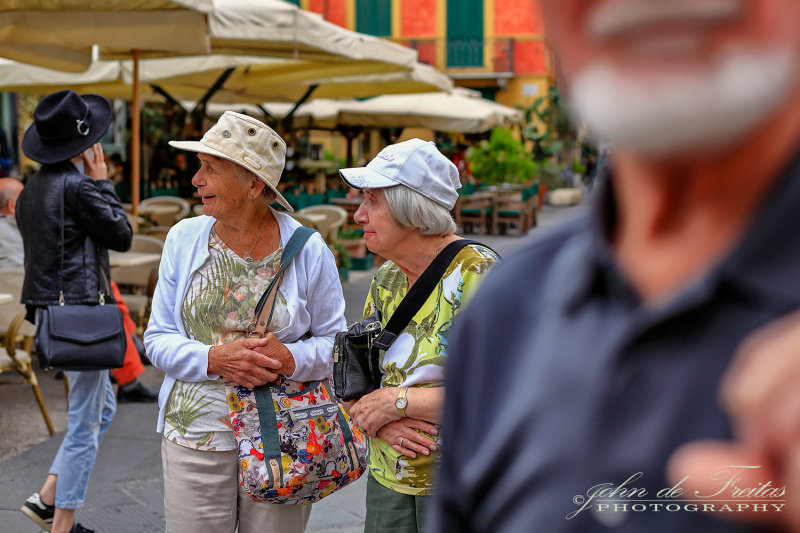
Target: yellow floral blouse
(419,354)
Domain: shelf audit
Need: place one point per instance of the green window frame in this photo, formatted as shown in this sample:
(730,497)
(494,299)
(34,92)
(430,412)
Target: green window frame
(465,33)
(374,17)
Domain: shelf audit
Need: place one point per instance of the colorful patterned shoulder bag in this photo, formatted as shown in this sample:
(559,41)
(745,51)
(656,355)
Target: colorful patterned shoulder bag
(296,444)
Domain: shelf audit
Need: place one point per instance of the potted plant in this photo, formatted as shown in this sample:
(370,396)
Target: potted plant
(501,159)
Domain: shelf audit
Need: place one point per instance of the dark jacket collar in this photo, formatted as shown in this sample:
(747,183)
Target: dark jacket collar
(765,263)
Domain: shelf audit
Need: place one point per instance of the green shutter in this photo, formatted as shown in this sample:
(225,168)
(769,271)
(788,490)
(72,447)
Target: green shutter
(374,17)
(465,33)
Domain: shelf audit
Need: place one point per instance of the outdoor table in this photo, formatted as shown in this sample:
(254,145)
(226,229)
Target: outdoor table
(5,298)
(128,259)
(316,218)
(152,211)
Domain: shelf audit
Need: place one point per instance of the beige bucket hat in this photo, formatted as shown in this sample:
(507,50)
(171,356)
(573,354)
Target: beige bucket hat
(249,143)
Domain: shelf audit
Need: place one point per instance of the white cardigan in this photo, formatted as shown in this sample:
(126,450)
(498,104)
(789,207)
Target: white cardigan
(310,286)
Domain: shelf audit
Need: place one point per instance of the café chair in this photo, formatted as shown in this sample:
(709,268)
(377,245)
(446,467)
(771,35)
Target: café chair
(17,340)
(474,209)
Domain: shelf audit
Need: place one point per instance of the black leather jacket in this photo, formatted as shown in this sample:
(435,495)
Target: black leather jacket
(94,221)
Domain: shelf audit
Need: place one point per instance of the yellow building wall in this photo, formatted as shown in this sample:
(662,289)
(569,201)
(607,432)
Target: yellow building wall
(523,90)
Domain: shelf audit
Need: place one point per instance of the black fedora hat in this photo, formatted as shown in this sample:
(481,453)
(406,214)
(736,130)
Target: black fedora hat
(64,125)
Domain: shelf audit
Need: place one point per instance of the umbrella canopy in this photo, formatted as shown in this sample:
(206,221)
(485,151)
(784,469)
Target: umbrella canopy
(459,110)
(61,34)
(253,79)
(320,113)
(258,81)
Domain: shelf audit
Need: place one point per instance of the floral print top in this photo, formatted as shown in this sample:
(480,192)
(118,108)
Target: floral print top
(219,307)
(419,354)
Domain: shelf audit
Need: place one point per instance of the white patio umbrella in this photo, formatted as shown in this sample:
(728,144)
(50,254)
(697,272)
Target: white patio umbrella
(61,33)
(252,79)
(460,110)
(255,80)
(319,113)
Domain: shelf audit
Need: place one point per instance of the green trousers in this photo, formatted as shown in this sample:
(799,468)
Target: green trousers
(395,512)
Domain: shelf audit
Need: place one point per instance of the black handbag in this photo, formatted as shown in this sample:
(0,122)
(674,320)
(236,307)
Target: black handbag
(356,352)
(80,336)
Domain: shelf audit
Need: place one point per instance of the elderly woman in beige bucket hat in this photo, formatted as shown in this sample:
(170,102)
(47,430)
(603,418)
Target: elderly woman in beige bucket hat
(213,270)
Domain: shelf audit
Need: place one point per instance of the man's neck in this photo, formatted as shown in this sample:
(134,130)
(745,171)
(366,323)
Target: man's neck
(677,218)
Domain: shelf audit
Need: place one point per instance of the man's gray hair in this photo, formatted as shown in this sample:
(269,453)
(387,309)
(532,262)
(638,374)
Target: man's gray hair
(411,209)
(245,175)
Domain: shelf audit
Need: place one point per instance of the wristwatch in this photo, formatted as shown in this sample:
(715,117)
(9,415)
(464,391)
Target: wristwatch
(401,402)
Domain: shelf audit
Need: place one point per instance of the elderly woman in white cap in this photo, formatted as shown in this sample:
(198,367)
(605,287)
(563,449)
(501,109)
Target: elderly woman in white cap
(409,191)
(214,269)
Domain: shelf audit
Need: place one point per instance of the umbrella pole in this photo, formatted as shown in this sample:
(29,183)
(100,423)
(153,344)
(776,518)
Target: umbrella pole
(135,136)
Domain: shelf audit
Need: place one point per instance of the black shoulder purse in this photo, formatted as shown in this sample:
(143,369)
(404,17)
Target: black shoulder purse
(356,370)
(81,336)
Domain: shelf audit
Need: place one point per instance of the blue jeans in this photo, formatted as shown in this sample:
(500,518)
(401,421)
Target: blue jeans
(91,408)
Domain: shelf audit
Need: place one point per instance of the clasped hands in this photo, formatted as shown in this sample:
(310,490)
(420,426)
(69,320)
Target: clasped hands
(251,361)
(376,414)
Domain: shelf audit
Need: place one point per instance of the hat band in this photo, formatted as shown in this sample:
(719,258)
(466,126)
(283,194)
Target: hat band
(81,126)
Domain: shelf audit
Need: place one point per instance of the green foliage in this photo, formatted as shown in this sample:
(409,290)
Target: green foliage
(344,258)
(552,137)
(548,126)
(501,159)
(351,234)
(577,166)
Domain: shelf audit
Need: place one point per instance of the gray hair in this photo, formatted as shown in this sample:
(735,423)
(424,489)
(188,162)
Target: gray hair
(411,209)
(246,175)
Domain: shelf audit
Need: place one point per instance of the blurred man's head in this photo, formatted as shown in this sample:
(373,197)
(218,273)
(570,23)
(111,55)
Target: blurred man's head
(9,191)
(669,76)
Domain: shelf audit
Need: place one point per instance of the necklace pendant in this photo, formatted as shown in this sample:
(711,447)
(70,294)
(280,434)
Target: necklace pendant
(248,258)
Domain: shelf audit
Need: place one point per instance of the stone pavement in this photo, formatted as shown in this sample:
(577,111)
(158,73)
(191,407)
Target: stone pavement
(125,491)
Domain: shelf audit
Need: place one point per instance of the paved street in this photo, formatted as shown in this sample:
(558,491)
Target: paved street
(125,491)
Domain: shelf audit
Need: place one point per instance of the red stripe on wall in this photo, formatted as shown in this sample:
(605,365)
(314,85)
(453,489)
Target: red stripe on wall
(333,10)
(418,18)
(530,57)
(517,16)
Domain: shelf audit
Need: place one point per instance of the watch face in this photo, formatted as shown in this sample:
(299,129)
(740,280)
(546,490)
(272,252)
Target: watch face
(401,403)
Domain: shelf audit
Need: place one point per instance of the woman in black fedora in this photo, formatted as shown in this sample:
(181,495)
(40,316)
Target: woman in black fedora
(73,174)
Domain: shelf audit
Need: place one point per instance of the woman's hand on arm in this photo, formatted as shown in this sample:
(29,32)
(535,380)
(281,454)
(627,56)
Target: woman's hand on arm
(376,409)
(405,431)
(240,363)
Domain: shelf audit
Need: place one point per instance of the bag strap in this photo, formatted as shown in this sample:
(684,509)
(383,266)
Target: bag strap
(270,439)
(100,296)
(267,300)
(419,292)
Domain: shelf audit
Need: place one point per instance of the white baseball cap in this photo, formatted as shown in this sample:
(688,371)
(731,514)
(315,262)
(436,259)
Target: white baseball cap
(249,143)
(415,163)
